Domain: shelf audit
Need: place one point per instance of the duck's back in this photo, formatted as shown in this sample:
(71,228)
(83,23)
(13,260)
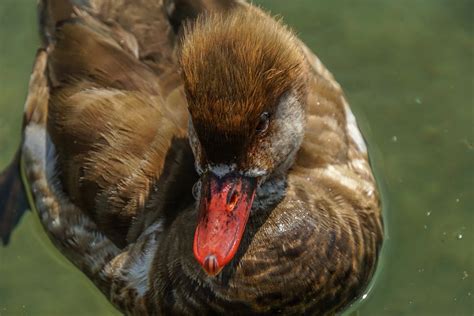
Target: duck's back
(116,114)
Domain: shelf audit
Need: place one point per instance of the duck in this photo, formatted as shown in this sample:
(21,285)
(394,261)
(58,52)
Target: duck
(194,158)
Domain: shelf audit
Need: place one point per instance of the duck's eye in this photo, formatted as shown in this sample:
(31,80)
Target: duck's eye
(263,123)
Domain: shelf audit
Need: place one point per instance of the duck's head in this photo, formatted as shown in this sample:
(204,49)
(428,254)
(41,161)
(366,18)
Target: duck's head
(245,81)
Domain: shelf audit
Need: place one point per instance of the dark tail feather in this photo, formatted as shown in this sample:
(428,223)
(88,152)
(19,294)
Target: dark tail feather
(13,199)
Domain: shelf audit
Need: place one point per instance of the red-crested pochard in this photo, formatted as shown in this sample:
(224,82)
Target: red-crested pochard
(195,158)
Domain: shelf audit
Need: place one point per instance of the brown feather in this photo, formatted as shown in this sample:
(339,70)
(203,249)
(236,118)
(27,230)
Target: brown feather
(82,52)
(101,94)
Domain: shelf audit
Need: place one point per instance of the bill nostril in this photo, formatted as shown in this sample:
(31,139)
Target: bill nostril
(232,199)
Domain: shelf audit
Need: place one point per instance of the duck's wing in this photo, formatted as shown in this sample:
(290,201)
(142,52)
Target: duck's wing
(119,274)
(121,72)
(109,122)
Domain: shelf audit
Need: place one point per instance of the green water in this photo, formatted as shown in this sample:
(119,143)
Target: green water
(407,69)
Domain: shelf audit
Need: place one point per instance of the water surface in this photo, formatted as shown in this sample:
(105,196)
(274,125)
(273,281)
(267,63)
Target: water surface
(406,67)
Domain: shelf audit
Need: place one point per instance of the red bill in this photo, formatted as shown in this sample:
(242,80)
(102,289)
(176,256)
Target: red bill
(224,209)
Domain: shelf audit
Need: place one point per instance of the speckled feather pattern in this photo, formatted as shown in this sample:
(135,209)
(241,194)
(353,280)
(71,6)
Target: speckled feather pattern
(311,250)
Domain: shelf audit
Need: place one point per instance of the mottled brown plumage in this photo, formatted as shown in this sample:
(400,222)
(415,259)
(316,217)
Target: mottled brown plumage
(107,158)
(97,101)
